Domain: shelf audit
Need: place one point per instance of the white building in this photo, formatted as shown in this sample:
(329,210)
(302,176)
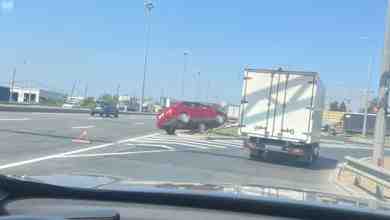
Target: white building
(30,95)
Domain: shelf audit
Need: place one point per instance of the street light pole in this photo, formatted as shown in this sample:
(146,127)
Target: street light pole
(184,74)
(367,98)
(148,10)
(199,82)
(380,124)
(11,88)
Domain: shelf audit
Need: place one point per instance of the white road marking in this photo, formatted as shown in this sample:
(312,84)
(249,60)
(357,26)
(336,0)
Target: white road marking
(166,149)
(171,142)
(39,159)
(183,141)
(15,119)
(139,123)
(83,127)
(116,154)
(349,147)
(91,118)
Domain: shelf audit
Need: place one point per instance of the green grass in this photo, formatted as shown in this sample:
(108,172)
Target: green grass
(232,131)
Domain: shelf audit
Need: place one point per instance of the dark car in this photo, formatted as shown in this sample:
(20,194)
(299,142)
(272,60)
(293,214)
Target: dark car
(190,116)
(105,110)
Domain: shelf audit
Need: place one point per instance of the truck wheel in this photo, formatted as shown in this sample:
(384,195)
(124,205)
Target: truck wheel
(116,115)
(310,158)
(257,155)
(316,152)
(170,130)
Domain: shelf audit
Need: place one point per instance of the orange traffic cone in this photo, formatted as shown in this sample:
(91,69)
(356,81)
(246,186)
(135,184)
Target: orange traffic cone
(83,138)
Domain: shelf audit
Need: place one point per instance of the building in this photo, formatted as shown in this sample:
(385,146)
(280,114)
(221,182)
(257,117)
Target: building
(29,95)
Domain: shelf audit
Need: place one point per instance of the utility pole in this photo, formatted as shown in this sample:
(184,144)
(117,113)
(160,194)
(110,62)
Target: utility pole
(12,85)
(184,74)
(73,88)
(117,92)
(207,90)
(86,91)
(380,124)
(148,10)
(199,82)
(367,98)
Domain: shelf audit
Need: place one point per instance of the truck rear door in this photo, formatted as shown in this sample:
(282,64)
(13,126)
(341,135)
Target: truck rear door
(277,104)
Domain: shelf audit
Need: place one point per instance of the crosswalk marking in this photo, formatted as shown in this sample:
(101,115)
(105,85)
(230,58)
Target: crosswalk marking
(190,141)
(173,142)
(179,141)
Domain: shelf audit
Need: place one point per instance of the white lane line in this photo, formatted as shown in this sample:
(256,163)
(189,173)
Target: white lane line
(166,149)
(139,123)
(15,119)
(91,118)
(116,154)
(147,141)
(348,147)
(83,127)
(39,159)
(189,142)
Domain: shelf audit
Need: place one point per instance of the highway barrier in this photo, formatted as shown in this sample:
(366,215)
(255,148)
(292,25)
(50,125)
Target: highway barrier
(363,169)
(49,109)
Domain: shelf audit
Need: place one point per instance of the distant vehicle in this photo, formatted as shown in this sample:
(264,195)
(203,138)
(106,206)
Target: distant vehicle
(189,116)
(281,113)
(105,110)
(68,105)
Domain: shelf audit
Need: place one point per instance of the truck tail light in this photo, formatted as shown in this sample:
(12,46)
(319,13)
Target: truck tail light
(296,151)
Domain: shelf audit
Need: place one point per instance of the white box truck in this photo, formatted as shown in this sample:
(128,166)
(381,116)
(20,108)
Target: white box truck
(281,111)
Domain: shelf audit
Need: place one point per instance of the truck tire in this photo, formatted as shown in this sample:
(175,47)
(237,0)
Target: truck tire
(316,152)
(257,154)
(312,155)
(170,130)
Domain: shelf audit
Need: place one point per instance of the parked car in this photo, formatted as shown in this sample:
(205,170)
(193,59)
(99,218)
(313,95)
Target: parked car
(189,116)
(105,110)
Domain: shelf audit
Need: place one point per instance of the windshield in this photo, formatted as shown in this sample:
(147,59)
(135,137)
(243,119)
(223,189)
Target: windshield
(289,94)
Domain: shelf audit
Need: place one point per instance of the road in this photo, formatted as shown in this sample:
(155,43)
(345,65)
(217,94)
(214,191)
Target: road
(130,146)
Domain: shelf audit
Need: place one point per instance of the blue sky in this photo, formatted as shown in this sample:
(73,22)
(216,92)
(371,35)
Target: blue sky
(101,43)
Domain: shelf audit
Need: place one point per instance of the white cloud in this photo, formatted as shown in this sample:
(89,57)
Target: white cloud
(7,5)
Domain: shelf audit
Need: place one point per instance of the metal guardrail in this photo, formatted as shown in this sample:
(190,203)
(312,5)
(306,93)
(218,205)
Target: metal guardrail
(49,109)
(378,175)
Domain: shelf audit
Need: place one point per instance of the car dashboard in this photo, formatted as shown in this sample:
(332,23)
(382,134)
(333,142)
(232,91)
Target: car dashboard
(34,200)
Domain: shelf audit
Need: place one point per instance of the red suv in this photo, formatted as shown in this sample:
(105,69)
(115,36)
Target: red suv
(189,115)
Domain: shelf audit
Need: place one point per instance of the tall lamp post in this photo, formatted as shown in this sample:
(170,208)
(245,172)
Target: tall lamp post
(185,54)
(367,98)
(148,10)
(380,124)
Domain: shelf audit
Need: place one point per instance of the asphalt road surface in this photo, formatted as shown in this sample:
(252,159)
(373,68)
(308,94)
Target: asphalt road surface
(130,146)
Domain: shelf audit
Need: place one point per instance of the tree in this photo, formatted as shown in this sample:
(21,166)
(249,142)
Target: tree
(343,107)
(334,106)
(88,102)
(107,98)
